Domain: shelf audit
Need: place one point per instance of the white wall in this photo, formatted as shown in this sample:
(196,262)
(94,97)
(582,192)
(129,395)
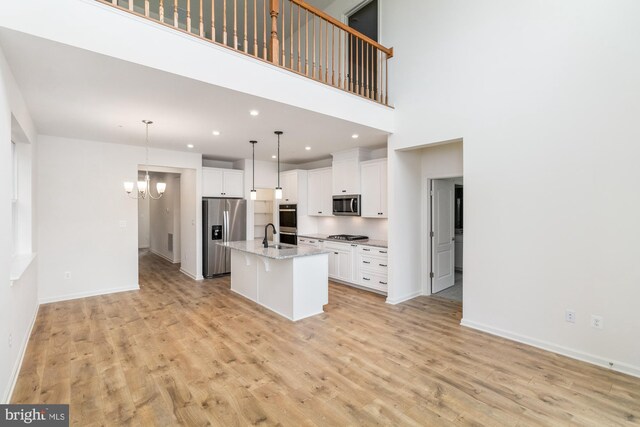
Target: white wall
(191,222)
(18,300)
(89,225)
(143,220)
(544,94)
(374,228)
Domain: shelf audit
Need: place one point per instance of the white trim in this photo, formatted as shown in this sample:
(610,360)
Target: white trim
(23,350)
(164,256)
(186,273)
(79,295)
(565,351)
(412,295)
(19,264)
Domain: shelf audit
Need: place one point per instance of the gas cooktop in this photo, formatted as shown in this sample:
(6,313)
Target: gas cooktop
(349,237)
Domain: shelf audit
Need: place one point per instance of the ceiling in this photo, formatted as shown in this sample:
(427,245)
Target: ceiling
(79,94)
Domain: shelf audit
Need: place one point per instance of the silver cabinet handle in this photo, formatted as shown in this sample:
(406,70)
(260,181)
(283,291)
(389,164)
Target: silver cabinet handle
(336,253)
(382,265)
(383,252)
(365,278)
(366,250)
(366,262)
(383,283)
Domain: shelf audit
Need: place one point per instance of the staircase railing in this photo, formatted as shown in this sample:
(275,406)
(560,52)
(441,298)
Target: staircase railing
(287,33)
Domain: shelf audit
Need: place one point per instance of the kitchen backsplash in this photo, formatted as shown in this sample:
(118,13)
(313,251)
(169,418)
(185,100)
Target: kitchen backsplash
(374,228)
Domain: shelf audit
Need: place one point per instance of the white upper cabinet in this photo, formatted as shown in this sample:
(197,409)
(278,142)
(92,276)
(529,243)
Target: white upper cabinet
(289,184)
(374,188)
(222,182)
(294,188)
(320,192)
(346,170)
(346,176)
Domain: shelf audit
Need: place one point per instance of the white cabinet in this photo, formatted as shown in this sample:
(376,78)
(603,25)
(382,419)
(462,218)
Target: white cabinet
(222,182)
(373,267)
(346,176)
(320,192)
(294,187)
(306,241)
(373,175)
(340,261)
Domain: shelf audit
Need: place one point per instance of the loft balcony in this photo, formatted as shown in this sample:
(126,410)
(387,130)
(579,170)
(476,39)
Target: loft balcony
(289,34)
(182,53)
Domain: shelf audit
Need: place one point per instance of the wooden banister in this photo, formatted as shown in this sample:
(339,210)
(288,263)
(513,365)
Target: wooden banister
(344,27)
(294,35)
(274,11)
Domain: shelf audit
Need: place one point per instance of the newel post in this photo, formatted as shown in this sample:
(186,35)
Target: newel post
(275,44)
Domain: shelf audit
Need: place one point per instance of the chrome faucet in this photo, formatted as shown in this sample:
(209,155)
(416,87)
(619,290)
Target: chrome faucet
(265,242)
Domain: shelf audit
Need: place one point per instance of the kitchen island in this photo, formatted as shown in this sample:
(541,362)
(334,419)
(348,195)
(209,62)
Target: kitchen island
(289,280)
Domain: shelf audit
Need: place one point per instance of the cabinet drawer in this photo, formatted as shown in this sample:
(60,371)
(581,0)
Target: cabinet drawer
(373,251)
(375,281)
(373,264)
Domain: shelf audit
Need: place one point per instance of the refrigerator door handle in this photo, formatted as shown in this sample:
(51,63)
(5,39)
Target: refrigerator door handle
(225,226)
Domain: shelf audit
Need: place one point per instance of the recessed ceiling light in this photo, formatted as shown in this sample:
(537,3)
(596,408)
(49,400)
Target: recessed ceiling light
(254,112)
(189,145)
(355,136)
(274,157)
(307,148)
(216,132)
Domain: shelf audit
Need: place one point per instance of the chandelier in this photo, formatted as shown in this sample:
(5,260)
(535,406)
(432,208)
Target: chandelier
(144,187)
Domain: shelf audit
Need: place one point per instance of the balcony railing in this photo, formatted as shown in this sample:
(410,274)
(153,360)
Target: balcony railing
(287,33)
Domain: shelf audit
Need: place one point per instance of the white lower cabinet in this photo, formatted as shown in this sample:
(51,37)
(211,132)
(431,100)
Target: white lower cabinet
(306,241)
(340,261)
(362,265)
(373,267)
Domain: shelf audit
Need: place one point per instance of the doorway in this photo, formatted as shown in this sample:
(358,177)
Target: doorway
(446,237)
(159,223)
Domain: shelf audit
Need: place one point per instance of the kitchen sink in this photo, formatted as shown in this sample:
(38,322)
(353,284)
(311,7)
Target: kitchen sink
(278,247)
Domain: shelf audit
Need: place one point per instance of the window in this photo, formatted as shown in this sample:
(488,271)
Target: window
(14,198)
(21,203)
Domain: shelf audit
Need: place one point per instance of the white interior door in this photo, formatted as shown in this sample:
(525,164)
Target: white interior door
(442,240)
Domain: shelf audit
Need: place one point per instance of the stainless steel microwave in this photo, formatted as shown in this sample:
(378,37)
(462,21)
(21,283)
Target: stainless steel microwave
(346,205)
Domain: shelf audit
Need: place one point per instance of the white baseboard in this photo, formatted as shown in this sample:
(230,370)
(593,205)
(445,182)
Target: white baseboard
(395,301)
(186,273)
(565,351)
(164,256)
(18,365)
(78,295)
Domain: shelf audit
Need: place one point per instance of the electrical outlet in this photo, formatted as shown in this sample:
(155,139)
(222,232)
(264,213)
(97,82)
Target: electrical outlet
(570,316)
(123,224)
(597,321)
(10,340)
(67,275)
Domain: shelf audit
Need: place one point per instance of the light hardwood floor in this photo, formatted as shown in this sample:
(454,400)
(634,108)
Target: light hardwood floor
(193,353)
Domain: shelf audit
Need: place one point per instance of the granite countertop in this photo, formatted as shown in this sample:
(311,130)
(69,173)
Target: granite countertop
(287,252)
(368,242)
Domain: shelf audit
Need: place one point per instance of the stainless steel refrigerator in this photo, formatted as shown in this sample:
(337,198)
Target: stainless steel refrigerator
(224,220)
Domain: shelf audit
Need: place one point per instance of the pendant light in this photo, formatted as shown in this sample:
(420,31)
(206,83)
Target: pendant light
(254,194)
(144,187)
(278,188)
